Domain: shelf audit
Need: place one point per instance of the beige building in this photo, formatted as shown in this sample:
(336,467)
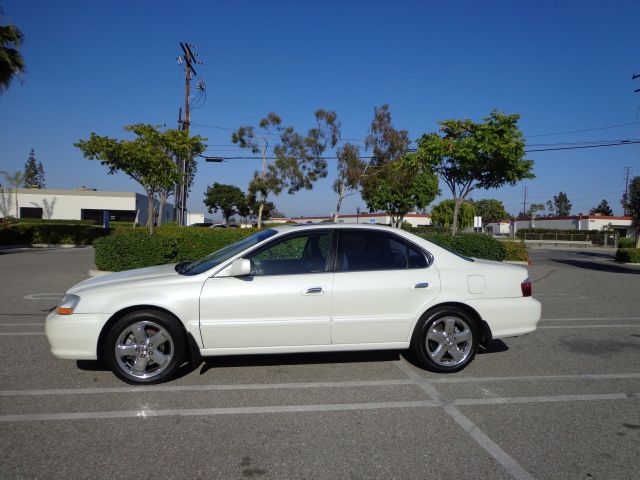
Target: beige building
(415,219)
(79,204)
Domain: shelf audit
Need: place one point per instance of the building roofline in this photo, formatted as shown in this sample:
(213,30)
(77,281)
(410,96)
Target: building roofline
(575,217)
(89,193)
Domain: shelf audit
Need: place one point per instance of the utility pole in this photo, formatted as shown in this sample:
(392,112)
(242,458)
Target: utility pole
(524,202)
(626,191)
(183,163)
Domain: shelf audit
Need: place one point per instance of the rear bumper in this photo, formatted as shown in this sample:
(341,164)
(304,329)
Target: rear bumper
(508,317)
(74,336)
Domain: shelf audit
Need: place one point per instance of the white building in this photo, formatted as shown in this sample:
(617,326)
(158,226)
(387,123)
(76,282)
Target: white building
(415,219)
(622,225)
(80,204)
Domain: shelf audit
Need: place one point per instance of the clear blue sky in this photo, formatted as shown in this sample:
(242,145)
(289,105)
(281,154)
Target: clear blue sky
(97,66)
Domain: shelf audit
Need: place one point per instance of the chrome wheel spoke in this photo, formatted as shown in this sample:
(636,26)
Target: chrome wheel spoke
(456,354)
(139,333)
(438,353)
(464,336)
(436,335)
(140,367)
(126,351)
(160,358)
(449,325)
(158,338)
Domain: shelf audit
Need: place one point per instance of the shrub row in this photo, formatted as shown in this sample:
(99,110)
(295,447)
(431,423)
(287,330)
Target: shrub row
(134,248)
(45,221)
(515,252)
(470,244)
(627,242)
(30,233)
(628,255)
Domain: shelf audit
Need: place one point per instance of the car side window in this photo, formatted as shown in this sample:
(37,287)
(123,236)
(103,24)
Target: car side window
(367,250)
(305,253)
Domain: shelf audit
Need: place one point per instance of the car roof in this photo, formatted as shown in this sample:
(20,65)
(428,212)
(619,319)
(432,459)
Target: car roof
(324,226)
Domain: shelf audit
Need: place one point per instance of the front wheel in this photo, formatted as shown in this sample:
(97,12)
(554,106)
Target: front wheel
(445,340)
(145,347)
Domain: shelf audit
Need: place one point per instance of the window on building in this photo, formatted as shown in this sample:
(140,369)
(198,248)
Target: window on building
(30,212)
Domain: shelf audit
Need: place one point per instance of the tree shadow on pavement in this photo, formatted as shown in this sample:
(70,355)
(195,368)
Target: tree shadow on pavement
(601,267)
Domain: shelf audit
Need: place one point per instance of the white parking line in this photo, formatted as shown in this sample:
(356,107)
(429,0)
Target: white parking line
(587,326)
(19,334)
(43,296)
(302,385)
(576,319)
(203,388)
(541,399)
(213,411)
(491,447)
(21,324)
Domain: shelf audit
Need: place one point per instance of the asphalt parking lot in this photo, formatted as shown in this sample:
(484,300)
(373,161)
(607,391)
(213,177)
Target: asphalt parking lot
(563,402)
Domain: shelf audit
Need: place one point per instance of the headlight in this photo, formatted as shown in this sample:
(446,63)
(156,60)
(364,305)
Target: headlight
(68,304)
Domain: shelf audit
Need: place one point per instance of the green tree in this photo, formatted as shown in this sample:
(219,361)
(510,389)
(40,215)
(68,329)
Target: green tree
(40,176)
(15,179)
(394,181)
(442,214)
(400,186)
(603,208)
(297,160)
(11,62)
(562,205)
(631,203)
(350,170)
(228,199)
(490,210)
(469,155)
(148,158)
(31,172)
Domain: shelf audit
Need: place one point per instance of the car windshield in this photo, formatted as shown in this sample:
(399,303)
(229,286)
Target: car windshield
(219,256)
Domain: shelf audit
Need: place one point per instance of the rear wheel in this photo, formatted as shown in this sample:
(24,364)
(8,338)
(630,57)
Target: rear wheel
(445,340)
(145,347)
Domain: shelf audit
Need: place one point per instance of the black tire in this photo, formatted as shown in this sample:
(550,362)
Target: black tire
(445,339)
(139,361)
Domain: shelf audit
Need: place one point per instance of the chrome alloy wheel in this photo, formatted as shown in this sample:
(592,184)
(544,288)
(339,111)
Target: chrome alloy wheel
(144,349)
(449,341)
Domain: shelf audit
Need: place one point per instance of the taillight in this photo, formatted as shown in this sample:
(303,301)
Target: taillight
(526,288)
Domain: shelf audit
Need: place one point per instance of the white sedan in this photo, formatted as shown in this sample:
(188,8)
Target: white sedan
(313,288)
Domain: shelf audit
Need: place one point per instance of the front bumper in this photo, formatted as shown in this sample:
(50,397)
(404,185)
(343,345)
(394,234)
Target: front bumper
(509,317)
(74,336)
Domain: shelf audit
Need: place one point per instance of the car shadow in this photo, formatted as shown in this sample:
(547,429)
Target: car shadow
(269,360)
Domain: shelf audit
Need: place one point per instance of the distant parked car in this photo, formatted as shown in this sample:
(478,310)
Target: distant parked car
(218,225)
(312,288)
(201,224)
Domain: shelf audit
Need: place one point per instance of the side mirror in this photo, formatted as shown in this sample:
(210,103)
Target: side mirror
(240,267)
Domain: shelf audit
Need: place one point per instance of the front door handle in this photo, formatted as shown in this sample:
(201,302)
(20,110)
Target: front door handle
(421,285)
(314,291)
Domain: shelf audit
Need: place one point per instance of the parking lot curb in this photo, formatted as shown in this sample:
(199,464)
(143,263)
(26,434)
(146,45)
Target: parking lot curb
(515,262)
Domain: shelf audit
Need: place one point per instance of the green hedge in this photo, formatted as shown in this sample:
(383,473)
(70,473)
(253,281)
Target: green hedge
(44,221)
(626,242)
(515,251)
(124,251)
(30,233)
(134,248)
(628,255)
(476,245)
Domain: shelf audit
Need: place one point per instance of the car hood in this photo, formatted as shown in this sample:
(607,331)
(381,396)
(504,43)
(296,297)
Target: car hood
(139,275)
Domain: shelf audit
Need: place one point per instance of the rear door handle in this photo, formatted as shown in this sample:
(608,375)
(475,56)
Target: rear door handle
(314,291)
(422,285)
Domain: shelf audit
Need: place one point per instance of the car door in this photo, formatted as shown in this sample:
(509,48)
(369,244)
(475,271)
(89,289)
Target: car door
(286,301)
(381,284)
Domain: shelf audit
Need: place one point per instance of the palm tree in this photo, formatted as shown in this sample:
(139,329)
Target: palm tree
(15,180)
(11,61)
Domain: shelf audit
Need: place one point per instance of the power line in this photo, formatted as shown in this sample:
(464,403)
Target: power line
(568,132)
